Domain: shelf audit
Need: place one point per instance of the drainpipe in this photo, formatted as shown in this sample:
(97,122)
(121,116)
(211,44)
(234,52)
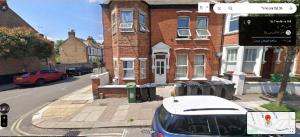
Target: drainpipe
(222,43)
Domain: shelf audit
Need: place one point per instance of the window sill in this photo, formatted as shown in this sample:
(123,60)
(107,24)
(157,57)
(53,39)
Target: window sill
(200,39)
(199,78)
(182,39)
(232,32)
(127,31)
(181,79)
(128,78)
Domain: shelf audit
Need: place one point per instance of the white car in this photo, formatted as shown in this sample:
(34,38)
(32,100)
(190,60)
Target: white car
(183,116)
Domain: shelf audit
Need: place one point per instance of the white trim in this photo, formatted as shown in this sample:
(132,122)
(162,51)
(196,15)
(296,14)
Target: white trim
(183,39)
(182,78)
(184,11)
(183,49)
(200,48)
(127,59)
(128,78)
(196,78)
(143,59)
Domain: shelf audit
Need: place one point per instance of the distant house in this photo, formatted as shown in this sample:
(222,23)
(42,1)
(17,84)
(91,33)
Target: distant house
(78,51)
(10,67)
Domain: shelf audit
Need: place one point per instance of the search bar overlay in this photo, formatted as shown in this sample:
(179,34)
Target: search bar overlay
(255,8)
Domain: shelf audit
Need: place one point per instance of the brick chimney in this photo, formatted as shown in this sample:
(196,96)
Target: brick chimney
(3,5)
(71,34)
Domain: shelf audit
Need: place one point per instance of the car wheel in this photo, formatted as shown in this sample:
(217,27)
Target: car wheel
(40,82)
(79,73)
(63,77)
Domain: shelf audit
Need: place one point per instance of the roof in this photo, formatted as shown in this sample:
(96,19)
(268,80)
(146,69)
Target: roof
(170,2)
(8,18)
(201,105)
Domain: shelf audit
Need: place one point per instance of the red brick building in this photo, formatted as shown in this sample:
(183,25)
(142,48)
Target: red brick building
(160,41)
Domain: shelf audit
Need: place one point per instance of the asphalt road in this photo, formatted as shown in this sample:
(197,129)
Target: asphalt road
(24,99)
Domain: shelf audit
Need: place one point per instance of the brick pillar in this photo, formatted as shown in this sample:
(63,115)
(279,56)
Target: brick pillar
(95,84)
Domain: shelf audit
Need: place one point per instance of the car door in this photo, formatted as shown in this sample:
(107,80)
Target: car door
(46,75)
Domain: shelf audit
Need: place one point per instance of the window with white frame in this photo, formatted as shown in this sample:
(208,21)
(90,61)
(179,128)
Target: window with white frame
(143,69)
(143,27)
(128,69)
(126,24)
(113,23)
(181,66)
(202,27)
(231,59)
(232,24)
(249,62)
(183,27)
(199,66)
(116,68)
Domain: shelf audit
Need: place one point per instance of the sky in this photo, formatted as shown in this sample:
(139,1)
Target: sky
(54,18)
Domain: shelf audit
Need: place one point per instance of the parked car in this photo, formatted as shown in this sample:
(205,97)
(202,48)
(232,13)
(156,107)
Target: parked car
(77,71)
(39,77)
(184,116)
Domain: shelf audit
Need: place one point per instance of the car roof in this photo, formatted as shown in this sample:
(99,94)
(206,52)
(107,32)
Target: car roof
(201,105)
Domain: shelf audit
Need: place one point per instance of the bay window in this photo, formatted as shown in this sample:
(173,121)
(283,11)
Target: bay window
(199,66)
(128,69)
(143,27)
(181,66)
(126,24)
(113,23)
(116,68)
(142,69)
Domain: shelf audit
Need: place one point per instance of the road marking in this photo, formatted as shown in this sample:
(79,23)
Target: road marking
(125,131)
(15,128)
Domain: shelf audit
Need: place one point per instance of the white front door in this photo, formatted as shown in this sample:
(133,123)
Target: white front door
(160,71)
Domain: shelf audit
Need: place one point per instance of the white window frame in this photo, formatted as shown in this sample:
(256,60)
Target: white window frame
(126,69)
(199,36)
(234,58)
(187,60)
(113,23)
(184,28)
(204,63)
(116,67)
(245,59)
(126,27)
(142,25)
(143,72)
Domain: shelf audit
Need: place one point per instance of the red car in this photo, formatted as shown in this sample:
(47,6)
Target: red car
(39,77)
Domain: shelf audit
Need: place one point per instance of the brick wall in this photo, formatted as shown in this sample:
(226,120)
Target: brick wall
(125,44)
(73,51)
(164,29)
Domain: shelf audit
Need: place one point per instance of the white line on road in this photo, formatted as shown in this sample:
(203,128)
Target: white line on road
(124,134)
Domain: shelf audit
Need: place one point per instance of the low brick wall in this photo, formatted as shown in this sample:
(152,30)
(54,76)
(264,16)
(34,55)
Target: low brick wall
(112,91)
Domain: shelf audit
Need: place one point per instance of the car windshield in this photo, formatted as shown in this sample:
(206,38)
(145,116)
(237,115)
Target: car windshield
(203,125)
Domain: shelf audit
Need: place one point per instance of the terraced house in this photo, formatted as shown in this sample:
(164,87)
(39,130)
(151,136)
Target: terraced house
(160,41)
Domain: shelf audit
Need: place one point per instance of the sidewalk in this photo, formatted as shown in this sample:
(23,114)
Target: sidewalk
(7,87)
(77,110)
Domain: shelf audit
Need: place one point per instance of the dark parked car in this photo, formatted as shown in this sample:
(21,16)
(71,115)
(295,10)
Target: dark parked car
(77,71)
(39,77)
